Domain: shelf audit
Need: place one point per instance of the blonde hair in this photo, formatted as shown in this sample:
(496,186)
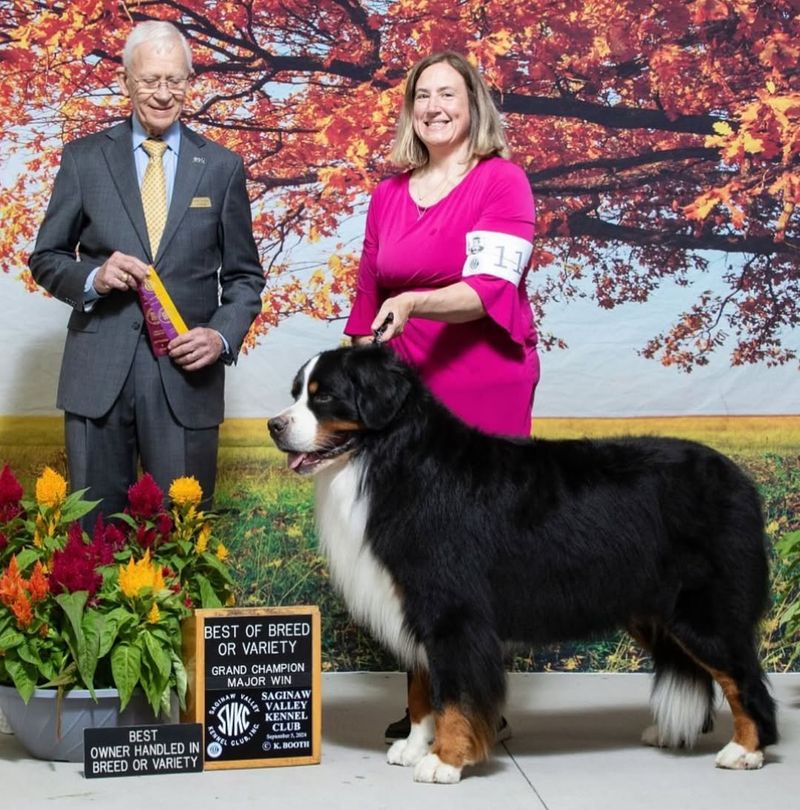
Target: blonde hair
(486,136)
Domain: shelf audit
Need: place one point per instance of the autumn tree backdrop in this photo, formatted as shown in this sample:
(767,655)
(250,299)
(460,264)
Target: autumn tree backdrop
(661,138)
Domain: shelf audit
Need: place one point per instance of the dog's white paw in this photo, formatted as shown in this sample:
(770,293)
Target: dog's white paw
(650,736)
(407,752)
(738,758)
(431,769)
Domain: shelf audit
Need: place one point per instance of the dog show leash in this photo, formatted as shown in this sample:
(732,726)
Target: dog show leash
(377,334)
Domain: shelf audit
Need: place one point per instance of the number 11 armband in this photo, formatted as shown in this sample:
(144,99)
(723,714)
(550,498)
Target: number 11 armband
(497,254)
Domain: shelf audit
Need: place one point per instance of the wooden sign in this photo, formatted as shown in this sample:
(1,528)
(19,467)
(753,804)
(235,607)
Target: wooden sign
(142,750)
(254,684)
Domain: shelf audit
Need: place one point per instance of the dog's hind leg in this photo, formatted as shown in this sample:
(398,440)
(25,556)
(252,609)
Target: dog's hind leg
(733,663)
(418,743)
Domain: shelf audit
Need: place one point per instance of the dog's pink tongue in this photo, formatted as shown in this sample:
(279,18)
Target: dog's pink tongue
(294,460)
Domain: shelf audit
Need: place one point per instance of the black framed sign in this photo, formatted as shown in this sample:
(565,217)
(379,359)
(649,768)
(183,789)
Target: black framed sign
(254,684)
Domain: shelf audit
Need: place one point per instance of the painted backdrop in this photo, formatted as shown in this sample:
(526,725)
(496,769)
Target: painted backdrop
(661,140)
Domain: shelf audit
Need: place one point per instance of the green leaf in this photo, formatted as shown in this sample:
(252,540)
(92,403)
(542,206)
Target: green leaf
(85,655)
(208,596)
(787,544)
(165,704)
(9,639)
(791,612)
(219,567)
(23,675)
(75,508)
(181,679)
(158,656)
(126,668)
(26,558)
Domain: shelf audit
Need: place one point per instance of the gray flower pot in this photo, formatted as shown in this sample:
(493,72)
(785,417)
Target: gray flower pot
(35,724)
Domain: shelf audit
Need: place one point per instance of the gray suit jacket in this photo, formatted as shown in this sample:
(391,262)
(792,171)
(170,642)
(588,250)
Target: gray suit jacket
(207,260)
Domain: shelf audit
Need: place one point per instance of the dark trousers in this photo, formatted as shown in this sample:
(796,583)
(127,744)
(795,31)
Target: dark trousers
(104,454)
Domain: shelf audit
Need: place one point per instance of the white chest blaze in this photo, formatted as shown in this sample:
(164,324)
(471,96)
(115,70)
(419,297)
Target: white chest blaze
(364,583)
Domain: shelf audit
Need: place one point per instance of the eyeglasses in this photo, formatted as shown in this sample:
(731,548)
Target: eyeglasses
(150,84)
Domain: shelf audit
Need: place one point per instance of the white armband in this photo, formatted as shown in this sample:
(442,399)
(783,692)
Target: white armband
(497,254)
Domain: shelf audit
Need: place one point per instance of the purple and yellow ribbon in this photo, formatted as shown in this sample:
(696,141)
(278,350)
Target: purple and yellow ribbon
(163,320)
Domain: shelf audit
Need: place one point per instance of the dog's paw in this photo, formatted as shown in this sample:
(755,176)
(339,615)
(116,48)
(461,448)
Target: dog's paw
(651,736)
(431,769)
(407,752)
(736,757)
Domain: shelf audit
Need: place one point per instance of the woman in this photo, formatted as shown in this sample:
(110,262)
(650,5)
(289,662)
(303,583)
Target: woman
(446,251)
(447,247)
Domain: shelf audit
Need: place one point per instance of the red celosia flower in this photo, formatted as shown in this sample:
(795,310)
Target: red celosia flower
(145,498)
(10,495)
(164,525)
(75,566)
(114,537)
(145,537)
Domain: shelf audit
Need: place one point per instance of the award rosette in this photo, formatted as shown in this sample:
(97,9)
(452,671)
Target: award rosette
(163,320)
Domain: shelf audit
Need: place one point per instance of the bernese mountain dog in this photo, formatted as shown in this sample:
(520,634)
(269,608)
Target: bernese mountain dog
(450,544)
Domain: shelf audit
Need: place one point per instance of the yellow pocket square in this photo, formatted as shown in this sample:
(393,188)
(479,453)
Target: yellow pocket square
(200,202)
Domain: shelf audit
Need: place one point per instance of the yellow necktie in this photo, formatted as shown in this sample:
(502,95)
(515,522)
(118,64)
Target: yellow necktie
(154,192)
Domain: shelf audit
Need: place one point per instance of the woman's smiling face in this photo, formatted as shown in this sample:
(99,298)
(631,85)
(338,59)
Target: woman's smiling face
(441,107)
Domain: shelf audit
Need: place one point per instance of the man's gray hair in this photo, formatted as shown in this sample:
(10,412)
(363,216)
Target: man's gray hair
(164,35)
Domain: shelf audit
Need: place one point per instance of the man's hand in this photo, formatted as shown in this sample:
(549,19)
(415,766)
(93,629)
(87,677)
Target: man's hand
(120,272)
(197,348)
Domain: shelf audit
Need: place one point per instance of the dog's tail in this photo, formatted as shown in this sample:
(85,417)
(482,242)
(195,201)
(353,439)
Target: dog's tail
(682,700)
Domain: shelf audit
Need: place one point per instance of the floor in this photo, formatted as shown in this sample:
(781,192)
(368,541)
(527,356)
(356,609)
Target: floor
(574,745)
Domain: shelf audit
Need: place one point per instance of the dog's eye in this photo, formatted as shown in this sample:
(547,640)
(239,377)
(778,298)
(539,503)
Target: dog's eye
(322,398)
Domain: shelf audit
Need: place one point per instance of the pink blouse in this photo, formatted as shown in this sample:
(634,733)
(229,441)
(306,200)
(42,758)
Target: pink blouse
(485,370)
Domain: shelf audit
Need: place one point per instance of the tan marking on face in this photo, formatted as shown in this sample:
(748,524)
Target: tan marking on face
(333,426)
(419,696)
(461,740)
(313,387)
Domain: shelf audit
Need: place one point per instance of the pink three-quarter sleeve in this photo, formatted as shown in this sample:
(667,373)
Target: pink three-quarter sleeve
(367,298)
(500,242)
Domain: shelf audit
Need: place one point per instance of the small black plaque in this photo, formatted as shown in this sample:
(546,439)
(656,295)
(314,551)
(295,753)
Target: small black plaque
(143,750)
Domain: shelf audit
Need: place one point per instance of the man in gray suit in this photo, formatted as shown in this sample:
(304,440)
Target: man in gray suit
(123,404)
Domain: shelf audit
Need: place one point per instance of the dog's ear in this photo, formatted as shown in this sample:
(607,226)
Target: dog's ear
(381,384)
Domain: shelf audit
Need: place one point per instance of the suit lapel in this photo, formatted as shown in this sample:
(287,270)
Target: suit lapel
(191,165)
(119,156)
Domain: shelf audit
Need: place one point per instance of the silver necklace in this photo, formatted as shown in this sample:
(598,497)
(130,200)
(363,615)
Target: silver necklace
(438,191)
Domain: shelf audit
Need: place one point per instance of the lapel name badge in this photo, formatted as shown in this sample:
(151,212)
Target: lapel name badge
(200,202)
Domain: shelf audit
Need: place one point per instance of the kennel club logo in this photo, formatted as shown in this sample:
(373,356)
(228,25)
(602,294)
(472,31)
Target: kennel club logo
(232,721)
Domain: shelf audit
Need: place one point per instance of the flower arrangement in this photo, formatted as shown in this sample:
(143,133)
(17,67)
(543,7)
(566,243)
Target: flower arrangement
(104,611)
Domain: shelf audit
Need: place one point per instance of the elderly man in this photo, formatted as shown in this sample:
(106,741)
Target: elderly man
(148,192)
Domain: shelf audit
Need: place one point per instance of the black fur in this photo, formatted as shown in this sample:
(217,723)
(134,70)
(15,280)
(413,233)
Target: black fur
(492,539)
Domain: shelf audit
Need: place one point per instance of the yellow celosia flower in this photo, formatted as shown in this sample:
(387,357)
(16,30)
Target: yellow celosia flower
(186,491)
(154,615)
(202,538)
(51,488)
(222,553)
(136,576)
(230,601)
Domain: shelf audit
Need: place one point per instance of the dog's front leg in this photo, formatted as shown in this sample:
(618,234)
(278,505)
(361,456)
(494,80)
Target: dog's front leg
(411,750)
